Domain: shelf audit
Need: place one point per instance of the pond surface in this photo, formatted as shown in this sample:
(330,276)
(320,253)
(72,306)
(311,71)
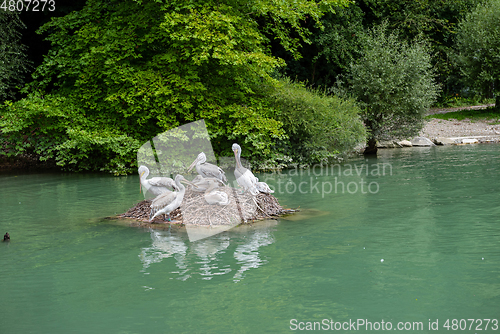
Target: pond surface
(416,243)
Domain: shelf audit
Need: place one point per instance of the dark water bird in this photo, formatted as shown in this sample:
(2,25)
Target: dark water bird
(213,196)
(169,201)
(6,237)
(206,169)
(155,185)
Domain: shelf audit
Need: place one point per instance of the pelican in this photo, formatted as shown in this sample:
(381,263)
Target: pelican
(206,169)
(263,187)
(213,196)
(202,183)
(169,201)
(156,185)
(244,176)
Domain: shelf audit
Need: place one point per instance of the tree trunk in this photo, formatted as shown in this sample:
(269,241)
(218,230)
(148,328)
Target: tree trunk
(497,102)
(372,146)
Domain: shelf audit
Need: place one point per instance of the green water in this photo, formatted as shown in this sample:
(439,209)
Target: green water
(433,218)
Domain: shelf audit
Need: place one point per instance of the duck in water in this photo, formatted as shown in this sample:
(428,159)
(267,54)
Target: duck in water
(6,237)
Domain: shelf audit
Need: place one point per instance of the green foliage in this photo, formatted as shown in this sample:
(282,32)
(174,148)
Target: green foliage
(13,61)
(338,44)
(54,129)
(120,72)
(436,20)
(394,83)
(318,126)
(335,46)
(462,101)
(478,48)
(471,114)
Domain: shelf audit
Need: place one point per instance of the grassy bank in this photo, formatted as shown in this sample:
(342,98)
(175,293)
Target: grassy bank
(487,114)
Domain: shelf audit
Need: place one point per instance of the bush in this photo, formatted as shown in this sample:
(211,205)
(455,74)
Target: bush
(394,82)
(53,129)
(13,59)
(478,47)
(318,126)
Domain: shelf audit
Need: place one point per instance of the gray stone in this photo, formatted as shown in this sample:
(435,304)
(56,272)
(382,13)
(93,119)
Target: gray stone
(405,143)
(386,144)
(444,141)
(422,141)
(469,141)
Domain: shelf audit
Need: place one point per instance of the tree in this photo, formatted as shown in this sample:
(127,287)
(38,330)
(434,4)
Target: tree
(333,47)
(13,60)
(478,49)
(120,72)
(394,82)
(337,45)
(436,20)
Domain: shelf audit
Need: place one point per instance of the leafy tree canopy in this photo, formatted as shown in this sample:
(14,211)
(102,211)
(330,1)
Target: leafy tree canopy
(119,72)
(478,48)
(13,60)
(337,45)
(394,82)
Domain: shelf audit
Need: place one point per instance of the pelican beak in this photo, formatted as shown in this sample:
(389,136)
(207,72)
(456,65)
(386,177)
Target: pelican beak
(193,164)
(140,184)
(189,182)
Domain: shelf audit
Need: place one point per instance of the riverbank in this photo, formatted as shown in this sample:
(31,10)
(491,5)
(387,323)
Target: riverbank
(461,131)
(451,131)
(439,128)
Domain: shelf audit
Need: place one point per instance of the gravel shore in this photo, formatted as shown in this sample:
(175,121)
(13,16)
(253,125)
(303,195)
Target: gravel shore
(453,128)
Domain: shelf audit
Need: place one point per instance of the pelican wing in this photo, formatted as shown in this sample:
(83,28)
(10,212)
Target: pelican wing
(209,170)
(246,180)
(162,182)
(217,197)
(163,200)
(203,183)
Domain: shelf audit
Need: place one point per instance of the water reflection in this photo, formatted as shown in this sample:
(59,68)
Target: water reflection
(208,257)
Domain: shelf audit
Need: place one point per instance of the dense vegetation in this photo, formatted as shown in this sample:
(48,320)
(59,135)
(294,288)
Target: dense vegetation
(13,59)
(117,73)
(394,83)
(478,49)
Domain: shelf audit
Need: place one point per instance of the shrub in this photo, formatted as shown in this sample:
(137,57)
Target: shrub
(54,129)
(318,126)
(478,47)
(394,82)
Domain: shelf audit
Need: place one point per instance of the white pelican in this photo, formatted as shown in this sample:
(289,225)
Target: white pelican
(156,185)
(244,176)
(263,187)
(169,201)
(202,183)
(206,169)
(213,196)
